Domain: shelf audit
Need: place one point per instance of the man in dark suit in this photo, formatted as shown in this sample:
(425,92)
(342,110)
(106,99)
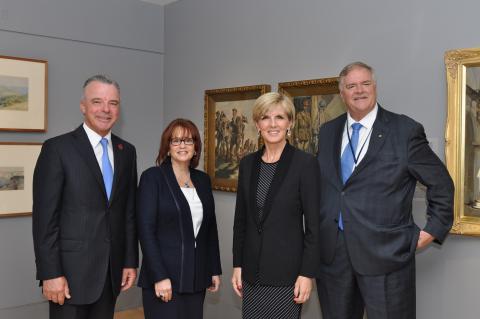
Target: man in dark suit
(370,161)
(84,231)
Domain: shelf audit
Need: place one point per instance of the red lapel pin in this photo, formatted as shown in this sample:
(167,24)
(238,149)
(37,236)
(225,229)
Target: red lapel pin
(120,147)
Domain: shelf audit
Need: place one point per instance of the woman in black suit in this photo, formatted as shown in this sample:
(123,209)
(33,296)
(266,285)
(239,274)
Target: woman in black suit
(274,254)
(177,228)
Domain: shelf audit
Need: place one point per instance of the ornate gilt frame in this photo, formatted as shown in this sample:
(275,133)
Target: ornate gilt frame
(218,100)
(319,91)
(456,63)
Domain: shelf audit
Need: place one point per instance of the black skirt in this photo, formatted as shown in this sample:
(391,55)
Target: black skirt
(269,302)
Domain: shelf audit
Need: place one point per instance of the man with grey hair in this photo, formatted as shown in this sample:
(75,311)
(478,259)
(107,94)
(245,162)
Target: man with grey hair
(370,162)
(84,230)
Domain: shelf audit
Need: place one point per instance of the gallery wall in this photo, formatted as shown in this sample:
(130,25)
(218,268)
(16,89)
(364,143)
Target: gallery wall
(121,38)
(213,44)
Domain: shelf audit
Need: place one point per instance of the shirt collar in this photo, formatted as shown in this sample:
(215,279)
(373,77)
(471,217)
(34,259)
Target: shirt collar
(367,121)
(94,137)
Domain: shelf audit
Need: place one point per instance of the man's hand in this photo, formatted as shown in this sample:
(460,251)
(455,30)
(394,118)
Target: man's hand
(424,240)
(303,287)
(163,290)
(56,290)
(128,278)
(215,284)
(237,281)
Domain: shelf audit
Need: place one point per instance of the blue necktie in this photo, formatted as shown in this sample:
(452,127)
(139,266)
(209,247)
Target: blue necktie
(107,170)
(348,160)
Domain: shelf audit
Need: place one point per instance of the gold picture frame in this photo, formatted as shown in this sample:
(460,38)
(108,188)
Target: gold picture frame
(17,163)
(23,94)
(230,132)
(316,102)
(462,137)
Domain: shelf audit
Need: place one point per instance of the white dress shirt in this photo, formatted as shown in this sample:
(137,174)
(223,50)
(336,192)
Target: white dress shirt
(196,208)
(363,136)
(95,139)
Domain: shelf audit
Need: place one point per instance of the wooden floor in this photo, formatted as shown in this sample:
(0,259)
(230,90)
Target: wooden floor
(130,314)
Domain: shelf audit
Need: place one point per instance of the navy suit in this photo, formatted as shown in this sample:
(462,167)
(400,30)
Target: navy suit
(77,231)
(380,235)
(166,233)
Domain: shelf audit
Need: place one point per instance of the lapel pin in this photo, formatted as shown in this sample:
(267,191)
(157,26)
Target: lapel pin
(380,135)
(120,147)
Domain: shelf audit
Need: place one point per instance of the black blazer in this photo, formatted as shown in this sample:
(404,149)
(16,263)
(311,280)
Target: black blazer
(277,247)
(376,201)
(166,233)
(77,232)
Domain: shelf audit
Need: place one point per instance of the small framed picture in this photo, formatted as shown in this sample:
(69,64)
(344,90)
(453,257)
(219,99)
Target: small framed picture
(23,94)
(17,163)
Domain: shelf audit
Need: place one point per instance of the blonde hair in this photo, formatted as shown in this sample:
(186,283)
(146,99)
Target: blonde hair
(268,100)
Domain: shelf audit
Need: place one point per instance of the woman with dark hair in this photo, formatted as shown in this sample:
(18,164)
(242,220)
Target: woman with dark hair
(177,228)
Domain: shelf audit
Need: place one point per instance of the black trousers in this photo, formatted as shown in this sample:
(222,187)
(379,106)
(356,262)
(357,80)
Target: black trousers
(182,305)
(345,294)
(103,308)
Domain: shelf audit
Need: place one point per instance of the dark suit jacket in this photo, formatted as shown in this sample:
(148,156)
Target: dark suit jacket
(376,201)
(277,247)
(166,233)
(77,232)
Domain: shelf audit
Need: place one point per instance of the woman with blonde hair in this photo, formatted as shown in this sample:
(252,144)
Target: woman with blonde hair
(274,254)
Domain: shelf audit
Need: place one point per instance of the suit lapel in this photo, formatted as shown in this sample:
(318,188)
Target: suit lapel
(255,172)
(118,159)
(185,212)
(84,148)
(280,173)
(337,147)
(378,136)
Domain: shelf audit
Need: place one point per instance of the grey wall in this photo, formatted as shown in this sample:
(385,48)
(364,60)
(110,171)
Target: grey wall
(122,38)
(222,43)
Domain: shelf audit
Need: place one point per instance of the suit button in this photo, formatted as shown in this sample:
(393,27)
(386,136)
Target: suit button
(259,230)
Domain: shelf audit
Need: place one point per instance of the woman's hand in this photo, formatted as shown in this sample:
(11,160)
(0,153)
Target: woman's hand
(163,290)
(215,284)
(237,281)
(303,287)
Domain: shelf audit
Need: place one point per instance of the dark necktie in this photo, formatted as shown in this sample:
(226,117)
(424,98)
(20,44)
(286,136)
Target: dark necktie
(348,160)
(107,170)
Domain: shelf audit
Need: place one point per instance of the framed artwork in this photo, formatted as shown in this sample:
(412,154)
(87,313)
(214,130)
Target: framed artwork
(23,94)
(230,132)
(462,137)
(17,162)
(316,102)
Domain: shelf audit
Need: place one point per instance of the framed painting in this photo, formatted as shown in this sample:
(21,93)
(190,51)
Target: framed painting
(17,162)
(316,102)
(230,132)
(23,94)
(462,137)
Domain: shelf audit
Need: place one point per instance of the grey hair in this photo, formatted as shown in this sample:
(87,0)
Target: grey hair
(102,79)
(354,65)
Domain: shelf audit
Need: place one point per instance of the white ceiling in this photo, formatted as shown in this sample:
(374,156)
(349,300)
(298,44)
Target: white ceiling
(160,2)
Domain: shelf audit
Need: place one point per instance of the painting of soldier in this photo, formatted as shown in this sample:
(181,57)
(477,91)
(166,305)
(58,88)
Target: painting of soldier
(235,136)
(311,113)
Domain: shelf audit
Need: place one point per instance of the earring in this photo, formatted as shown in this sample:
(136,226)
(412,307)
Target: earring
(259,133)
(168,153)
(194,154)
(289,132)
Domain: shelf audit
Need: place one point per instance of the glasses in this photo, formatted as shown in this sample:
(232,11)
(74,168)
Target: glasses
(178,141)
